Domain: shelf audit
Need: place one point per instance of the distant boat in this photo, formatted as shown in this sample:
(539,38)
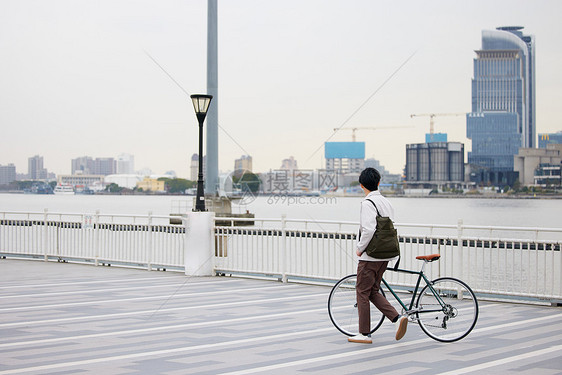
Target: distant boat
(64,189)
(39,188)
(81,189)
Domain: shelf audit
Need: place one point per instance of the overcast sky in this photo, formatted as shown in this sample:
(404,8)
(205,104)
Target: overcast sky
(75,77)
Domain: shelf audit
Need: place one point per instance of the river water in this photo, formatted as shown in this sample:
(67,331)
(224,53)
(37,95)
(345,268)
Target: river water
(544,213)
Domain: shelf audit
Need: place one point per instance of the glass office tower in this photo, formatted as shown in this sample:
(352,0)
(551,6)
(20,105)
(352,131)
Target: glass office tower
(503,104)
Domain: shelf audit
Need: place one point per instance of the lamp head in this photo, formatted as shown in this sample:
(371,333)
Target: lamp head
(201,104)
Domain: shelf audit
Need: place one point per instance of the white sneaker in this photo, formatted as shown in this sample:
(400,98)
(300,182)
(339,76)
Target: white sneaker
(360,338)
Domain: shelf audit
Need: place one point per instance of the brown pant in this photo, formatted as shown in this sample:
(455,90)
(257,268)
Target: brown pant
(369,277)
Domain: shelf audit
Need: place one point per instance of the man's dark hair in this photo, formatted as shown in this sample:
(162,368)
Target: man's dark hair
(370,179)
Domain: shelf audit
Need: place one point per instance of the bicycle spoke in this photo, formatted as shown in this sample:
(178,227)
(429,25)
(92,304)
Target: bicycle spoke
(450,315)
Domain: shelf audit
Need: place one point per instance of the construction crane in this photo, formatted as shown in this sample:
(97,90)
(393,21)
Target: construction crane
(432,116)
(353,130)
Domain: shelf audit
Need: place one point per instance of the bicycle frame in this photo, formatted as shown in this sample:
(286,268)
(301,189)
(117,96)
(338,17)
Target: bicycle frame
(421,275)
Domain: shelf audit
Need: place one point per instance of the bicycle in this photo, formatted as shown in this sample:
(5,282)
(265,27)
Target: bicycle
(446,308)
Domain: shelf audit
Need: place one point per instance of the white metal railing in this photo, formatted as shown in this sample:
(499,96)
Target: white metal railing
(140,240)
(519,262)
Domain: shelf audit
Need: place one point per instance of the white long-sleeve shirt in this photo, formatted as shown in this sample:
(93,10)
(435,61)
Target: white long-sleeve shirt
(368,222)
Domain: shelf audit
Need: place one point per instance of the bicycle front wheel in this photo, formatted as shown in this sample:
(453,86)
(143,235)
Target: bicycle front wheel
(448,310)
(342,308)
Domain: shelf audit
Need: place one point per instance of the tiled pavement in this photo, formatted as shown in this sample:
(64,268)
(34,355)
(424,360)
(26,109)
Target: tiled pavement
(79,319)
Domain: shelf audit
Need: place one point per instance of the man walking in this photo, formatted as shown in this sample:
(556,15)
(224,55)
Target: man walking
(370,270)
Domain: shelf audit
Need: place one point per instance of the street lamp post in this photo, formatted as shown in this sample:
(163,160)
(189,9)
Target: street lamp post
(201,104)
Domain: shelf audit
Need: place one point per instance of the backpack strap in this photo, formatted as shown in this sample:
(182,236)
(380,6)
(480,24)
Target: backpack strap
(378,214)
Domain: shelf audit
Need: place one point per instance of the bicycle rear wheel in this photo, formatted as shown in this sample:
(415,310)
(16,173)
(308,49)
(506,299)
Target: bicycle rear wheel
(342,308)
(451,316)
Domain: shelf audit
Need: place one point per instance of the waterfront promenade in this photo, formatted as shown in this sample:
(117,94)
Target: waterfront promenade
(60,318)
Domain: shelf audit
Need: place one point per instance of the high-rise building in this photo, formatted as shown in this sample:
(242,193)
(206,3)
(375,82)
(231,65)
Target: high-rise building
(345,157)
(82,165)
(86,165)
(550,138)
(104,166)
(289,164)
(503,103)
(386,176)
(35,168)
(194,167)
(244,163)
(125,164)
(435,162)
(7,174)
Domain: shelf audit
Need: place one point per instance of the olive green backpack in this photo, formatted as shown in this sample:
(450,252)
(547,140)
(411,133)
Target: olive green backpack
(384,243)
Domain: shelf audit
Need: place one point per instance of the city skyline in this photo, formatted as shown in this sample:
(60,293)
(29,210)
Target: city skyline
(77,78)
(100,166)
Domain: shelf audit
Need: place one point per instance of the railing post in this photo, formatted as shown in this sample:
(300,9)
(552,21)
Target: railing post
(45,233)
(97,238)
(150,241)
(536,234)
(460,251)
(283,248)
